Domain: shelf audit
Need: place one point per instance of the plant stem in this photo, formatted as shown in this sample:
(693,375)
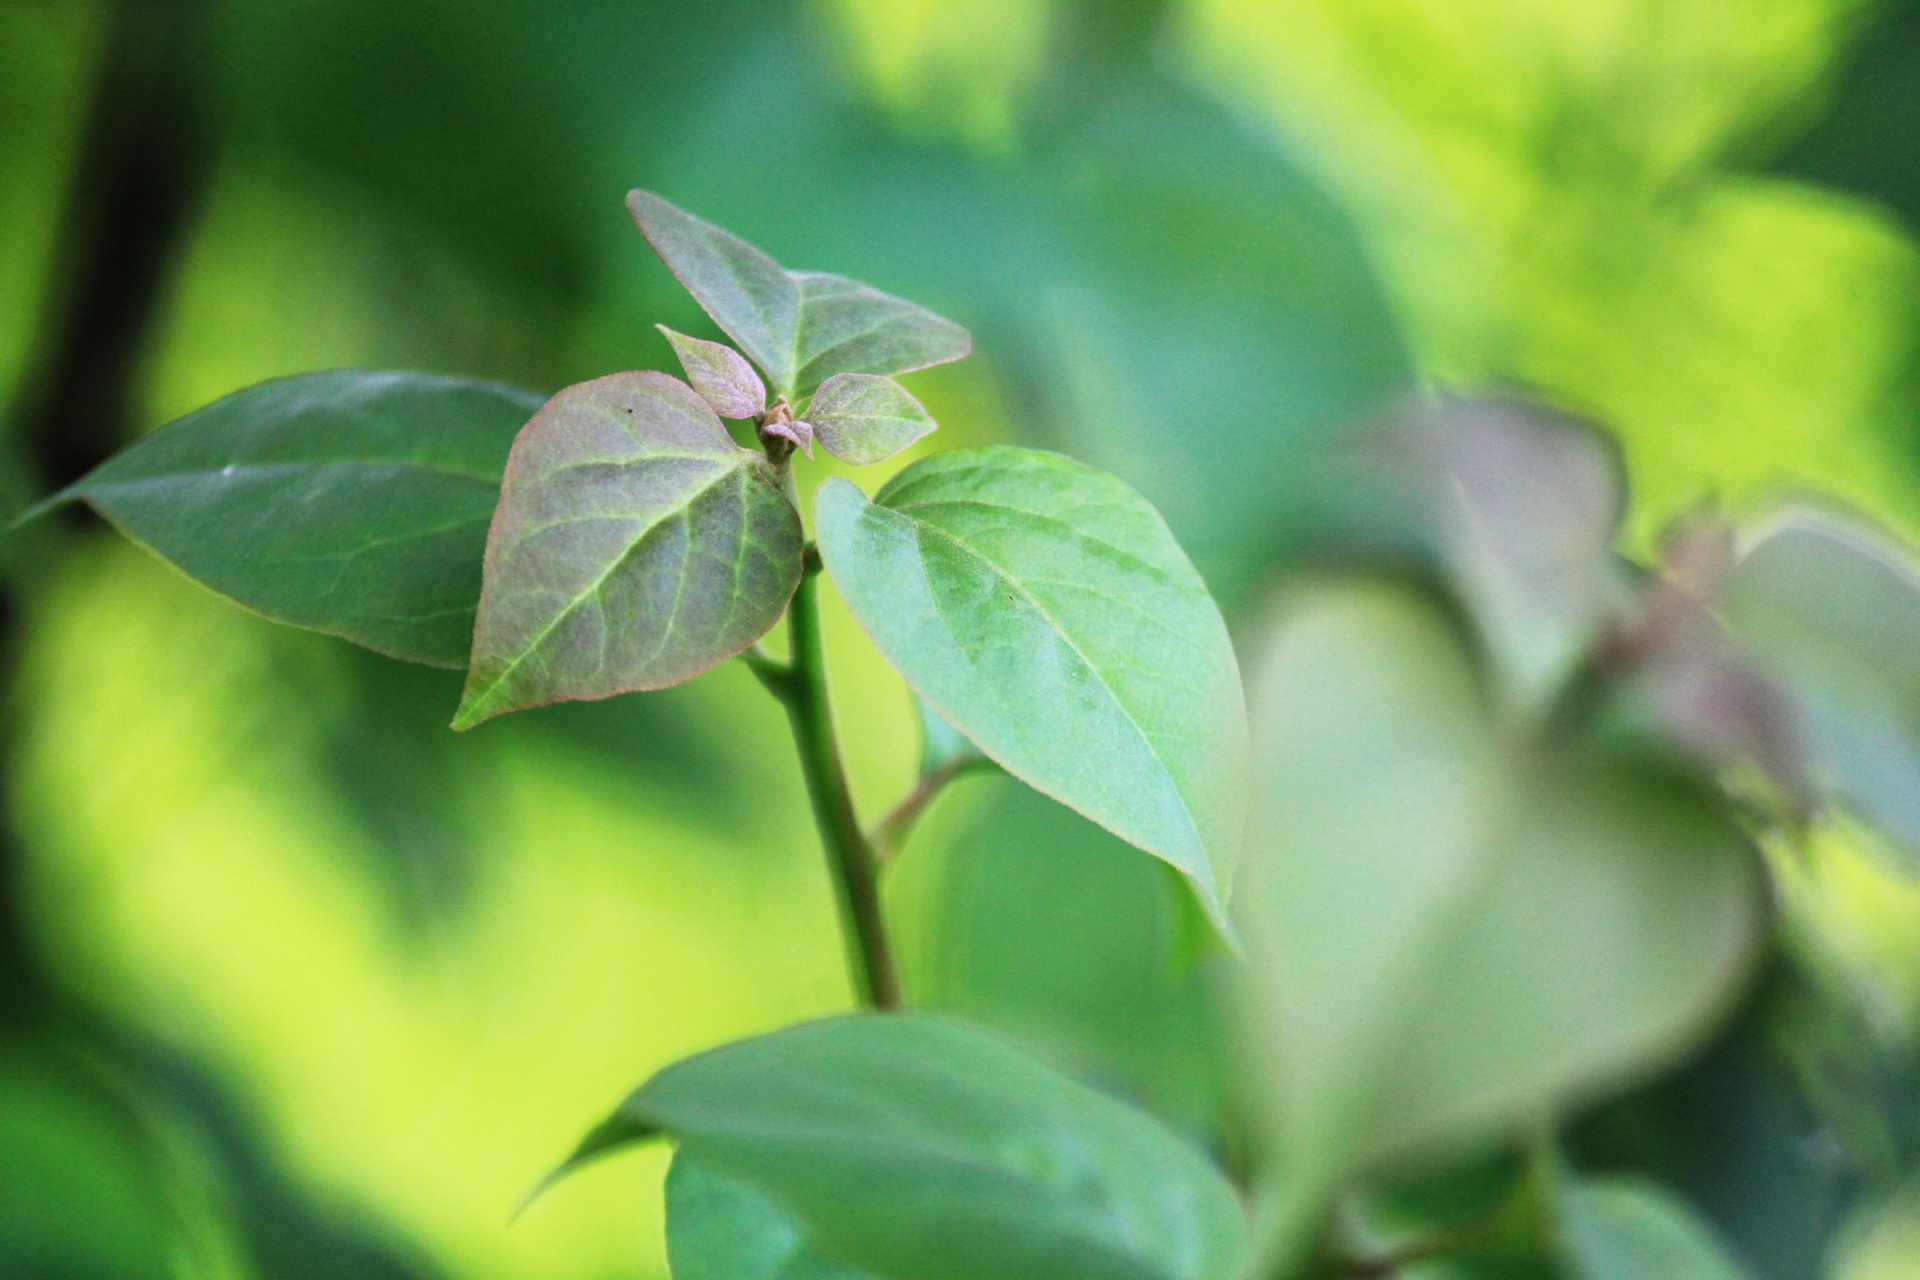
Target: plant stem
(802,688)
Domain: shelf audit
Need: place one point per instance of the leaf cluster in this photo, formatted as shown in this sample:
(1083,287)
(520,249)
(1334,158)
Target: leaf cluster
(1494,819)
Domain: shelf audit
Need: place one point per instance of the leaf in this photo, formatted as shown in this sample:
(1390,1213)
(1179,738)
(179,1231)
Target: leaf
(719,1228)
(941,745)
(914,1146)
(862,419)
(800,327)
(1043,609)
(349,502)
(1829,607)
(1625,1228)
(635,546)
(720,374)
(1451,934)
(1528,503)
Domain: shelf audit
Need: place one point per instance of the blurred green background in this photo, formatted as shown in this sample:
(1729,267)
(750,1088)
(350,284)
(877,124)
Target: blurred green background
(296,983)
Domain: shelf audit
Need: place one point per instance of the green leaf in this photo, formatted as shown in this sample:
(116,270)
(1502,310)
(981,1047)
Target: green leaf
(720,374)
(349,502)
(635,546)
(1452,932)
(1634,1229)
(916,1147)
(1829,607)
(1042,608)
(800,327)
(720,1228)
(860,418)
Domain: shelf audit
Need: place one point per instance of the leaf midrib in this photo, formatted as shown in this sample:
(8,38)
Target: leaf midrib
(1146,740)
(678,509)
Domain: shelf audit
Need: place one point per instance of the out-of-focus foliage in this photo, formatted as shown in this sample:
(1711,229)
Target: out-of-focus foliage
(371,976)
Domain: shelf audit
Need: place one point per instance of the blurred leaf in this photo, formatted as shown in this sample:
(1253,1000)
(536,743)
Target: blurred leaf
(1043,608)
(1451,932)
(1050,933)
(1528,504)
(1866,138)
(913,1145)
(79,1195)
(720,374)
(861,418)
(719,1228)
(1635,1229)
(1830,607)
(800,327)
(346,502)
(636,546)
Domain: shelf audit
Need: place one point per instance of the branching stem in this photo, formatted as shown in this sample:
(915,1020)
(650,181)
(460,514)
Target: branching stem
(801,686)
(893,829)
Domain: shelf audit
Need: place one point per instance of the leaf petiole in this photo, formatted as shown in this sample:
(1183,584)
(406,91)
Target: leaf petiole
(892,831)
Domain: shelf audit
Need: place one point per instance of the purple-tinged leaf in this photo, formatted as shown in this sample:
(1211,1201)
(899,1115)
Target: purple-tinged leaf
(861,418)
(798,434)
(1527,503)
(720,374)
(800,327)
(635,546)
(848,327)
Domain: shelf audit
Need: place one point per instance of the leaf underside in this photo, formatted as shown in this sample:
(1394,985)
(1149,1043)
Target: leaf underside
(800,327)
(720,1228)
(635,546)
(1042,607)
(350,502)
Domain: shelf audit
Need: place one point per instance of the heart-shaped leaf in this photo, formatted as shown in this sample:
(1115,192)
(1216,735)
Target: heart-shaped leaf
(800,327)
(1635,1229)
(1829,607)
(720,374)
(1452,931)
(635,546)
(720,1228)
(349,502)
(917,1147)
(1042,607)
(861,419)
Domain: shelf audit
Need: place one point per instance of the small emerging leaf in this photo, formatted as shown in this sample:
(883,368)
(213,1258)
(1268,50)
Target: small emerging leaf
(720,374)
(350,502)
(800,327)
(861,418)
(635,546)
(910,1144)
(1044,609)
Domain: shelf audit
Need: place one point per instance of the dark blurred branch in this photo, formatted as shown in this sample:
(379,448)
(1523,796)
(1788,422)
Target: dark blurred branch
(143,161)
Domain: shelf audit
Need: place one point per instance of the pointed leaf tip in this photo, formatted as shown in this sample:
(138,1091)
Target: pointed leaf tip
(616,1131)
(800,327)
(1043,608)
(720,374)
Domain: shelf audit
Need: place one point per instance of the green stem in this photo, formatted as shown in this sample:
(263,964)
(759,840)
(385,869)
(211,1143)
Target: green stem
(802,688)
